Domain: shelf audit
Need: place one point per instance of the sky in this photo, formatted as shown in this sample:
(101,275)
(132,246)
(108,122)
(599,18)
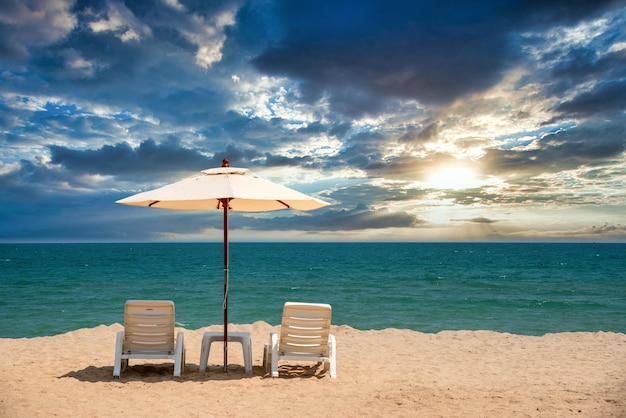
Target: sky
(495,120)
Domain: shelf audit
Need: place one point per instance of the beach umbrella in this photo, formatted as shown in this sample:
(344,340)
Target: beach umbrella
(224,188)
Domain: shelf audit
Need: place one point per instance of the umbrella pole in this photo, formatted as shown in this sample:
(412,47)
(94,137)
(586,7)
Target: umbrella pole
(225,205)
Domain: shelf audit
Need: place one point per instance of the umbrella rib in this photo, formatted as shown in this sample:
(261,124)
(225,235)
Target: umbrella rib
(153,203)
(283,203)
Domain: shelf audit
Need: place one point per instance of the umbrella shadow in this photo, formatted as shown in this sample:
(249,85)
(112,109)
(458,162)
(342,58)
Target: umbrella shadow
(155,373)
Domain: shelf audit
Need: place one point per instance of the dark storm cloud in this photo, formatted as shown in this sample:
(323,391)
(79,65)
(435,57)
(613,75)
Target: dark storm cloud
(430,131)
(160,160)
(354,103)
(428,50)
(27,183)
(564,150)
(23,25)
(606,99)
(585,143)
(357,218)
(359,154)
(363,217)
(65,123)
(121,158)
(581,64)
(366,151)
(368,195)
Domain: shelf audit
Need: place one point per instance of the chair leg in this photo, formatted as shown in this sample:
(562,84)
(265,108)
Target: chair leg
(117,365)
(179,360)
(204,354)
(333,356)
(247,353)
(274,354)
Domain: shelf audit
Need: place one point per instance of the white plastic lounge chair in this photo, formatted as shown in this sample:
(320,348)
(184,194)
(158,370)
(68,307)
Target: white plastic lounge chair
(149,334)
(304,336)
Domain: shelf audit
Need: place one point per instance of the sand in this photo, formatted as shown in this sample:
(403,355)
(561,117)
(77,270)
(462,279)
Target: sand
(386,373)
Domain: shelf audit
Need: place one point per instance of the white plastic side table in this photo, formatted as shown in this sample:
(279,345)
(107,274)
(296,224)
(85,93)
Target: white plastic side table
(243,338)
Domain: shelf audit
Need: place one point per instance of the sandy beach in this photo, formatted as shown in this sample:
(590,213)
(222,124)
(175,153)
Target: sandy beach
(390,372)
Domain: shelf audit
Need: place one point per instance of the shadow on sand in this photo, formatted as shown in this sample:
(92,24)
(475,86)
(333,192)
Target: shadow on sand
(154,373)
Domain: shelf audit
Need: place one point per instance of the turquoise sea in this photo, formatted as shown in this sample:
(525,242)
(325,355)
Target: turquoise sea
(529,288)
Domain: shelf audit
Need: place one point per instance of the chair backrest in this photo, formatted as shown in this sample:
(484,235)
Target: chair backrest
(305,328)
(149,325)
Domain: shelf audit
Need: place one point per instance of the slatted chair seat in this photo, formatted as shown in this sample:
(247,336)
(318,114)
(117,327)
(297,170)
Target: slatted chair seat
(149,334)
(304,336)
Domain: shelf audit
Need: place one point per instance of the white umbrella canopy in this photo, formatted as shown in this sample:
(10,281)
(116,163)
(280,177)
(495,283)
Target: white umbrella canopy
(226,188)
(245,191)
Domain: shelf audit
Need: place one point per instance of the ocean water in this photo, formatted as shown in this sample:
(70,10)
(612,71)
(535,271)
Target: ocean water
(528,289)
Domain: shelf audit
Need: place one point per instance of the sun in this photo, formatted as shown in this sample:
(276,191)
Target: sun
(453,178)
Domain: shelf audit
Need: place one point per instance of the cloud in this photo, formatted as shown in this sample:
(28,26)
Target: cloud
(480,220)
(359,218)
(430,51)
(564,150)
(356,102)
(607,98)
(33,23)
(119,20)
(135,60)
(363,217)
(119,159)
(606,229)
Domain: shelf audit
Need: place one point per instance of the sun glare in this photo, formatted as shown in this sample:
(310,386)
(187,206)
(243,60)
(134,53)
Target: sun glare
(453,178)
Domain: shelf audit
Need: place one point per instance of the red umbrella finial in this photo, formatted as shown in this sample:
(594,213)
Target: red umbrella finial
(225,162)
